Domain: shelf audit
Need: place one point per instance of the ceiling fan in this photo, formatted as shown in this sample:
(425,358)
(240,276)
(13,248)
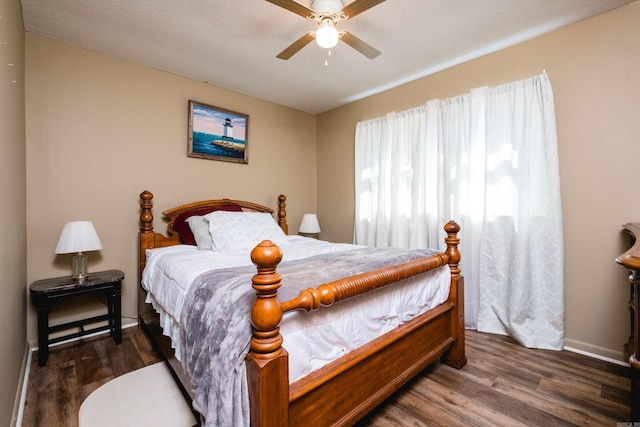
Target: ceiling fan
(327,13)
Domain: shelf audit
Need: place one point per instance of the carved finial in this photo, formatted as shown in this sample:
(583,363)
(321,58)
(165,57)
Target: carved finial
(452,240)
(266,256)
(282,213)
(146,195)
(266,313)
(452,227)
(146,216)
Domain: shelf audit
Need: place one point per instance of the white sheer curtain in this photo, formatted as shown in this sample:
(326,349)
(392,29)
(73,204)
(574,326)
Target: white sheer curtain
(488,160)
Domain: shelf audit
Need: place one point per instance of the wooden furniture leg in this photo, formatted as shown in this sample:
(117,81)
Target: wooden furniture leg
(631,260)
(634,279)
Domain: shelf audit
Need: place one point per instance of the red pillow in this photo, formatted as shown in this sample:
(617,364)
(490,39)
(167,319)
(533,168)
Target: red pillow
(181,226)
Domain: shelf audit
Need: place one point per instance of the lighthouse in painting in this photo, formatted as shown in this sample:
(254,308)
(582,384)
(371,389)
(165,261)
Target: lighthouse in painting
(228,129)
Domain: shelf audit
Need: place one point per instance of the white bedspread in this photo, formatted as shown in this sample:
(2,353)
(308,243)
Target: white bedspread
(311,340)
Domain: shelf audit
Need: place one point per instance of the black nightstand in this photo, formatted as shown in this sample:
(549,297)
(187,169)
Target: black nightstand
(44,292)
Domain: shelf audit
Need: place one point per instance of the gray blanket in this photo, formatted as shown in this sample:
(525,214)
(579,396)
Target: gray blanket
(216,323)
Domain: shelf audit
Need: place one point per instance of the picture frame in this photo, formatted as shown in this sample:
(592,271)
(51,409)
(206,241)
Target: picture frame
(217,134)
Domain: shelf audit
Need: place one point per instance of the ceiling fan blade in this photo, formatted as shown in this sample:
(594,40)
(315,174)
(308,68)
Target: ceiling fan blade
(294,7)
(358,44)
(356,7)
(296,46)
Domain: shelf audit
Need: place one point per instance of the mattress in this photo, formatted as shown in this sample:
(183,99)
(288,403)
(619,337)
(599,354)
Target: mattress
(312,339)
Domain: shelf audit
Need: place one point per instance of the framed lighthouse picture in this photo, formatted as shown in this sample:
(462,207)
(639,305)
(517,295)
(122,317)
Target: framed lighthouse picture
(217,134)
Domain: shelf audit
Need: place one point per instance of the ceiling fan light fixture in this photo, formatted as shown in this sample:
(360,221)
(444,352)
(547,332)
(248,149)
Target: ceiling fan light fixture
(327,35)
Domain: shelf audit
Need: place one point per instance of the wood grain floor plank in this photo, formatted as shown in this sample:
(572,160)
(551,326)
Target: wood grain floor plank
(618,394)
(393,415)
(464,403)
(573,414)
(142,347)
(517,408)
(561,366)
(594,404)
(547,362)
(125,357)
(92,362)
(429,411)
(503,377)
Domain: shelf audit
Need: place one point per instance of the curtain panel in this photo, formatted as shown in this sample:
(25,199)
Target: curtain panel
(487,159)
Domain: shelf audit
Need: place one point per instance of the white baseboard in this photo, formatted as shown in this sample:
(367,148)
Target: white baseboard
(21,391)
(595,351)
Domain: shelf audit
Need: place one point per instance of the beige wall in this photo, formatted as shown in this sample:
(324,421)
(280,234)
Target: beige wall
(101,130)
(12,208)
(594,68)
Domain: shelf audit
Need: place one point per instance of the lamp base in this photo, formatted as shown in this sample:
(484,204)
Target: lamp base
(79,279)
(79,268)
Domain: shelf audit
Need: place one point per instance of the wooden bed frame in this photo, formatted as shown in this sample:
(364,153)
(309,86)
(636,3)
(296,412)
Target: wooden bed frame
(343,391)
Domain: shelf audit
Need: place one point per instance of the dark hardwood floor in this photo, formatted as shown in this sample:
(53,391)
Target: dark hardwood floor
(56,391)
(503,384)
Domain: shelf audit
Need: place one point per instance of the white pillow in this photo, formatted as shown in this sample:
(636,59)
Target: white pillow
(200,229)
(242,231)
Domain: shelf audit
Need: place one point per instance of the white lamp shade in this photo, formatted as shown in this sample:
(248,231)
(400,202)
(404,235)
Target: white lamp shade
(309,224)
(78,236)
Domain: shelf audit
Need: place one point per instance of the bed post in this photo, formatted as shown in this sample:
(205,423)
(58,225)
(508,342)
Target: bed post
(455,357)
(282,213)
(267,361)
(146,229)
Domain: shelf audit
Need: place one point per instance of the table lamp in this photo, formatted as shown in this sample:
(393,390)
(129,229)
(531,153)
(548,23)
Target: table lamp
(78,237)
(309,227)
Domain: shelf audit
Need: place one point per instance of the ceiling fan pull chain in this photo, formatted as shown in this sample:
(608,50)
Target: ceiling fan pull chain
(326,61)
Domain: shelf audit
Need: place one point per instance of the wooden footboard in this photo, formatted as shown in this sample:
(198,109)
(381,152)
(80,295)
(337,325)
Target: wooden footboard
(345,390)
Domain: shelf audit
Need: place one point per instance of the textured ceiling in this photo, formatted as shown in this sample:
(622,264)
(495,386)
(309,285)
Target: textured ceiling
(234,43)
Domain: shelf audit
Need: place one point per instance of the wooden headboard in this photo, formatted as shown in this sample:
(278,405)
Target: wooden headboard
(150,239)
